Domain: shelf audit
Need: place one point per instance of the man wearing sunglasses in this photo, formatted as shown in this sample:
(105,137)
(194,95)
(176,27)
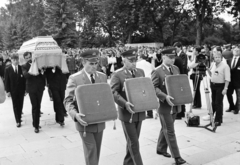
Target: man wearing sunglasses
(167,111)
(131,130)
(94,132)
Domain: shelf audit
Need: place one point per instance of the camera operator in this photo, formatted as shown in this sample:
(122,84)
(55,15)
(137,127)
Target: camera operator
(196,77)
(220,78)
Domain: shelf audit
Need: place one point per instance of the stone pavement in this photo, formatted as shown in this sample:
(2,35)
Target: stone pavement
(56,145)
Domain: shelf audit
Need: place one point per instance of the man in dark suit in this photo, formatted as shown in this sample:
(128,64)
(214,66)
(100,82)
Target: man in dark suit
(126,114)
(57,84)
(167,111)
(234,85)
(92,140)
(15,87)
(181,62)
(35,85)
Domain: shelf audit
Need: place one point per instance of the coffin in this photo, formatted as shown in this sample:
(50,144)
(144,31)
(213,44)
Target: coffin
(45,53)
(96,102)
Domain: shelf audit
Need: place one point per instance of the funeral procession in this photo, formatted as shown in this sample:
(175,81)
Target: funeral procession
(119,82)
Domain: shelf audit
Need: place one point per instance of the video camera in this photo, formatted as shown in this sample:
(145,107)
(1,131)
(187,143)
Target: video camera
(202,61)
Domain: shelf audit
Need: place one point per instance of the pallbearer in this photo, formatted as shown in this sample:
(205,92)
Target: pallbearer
(91,134)
(167,111)
(131,129)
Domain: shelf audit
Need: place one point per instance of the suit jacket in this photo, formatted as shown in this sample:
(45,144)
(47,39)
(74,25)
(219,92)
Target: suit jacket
(158,79)
(117,85)
(33,83)
(14,82)
(235,73)
(56,80)
(181,63)
(80,78)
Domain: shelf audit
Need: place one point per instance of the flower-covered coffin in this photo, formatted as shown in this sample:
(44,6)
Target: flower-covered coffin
(45,53)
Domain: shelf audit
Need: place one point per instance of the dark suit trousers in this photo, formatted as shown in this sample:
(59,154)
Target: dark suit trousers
(17,100)
(230,91)
(132,133)
(217,100)
(36,99)
(167,135)
(58,97)
(197,99)
(92,147)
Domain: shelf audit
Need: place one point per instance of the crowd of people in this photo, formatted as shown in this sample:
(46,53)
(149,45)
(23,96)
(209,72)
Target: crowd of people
(98,65)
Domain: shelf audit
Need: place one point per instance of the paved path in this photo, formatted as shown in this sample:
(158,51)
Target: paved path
(55,145)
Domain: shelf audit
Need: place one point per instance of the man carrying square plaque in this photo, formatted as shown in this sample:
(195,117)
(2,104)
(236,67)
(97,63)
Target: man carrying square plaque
(167,111)
(91,134)
(131,121)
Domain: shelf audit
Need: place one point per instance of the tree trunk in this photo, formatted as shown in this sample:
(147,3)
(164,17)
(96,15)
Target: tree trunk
(129,38)
(199,32)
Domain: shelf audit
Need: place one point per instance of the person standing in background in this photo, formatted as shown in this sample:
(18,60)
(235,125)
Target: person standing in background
(147,68)
(181,61)
(15,87)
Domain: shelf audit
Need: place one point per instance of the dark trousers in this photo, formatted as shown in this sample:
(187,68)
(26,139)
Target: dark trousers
(17,101)
(231,89)
(92,147)
(132,133)
(217,100)
(197,99)
(58,97)
(167,135)
(182,113)
(36,99)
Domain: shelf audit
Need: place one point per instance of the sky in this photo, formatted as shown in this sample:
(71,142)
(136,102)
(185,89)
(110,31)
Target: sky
(227,17)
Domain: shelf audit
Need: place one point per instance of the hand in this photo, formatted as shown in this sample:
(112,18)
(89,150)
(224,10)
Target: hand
(8,94)
(168,99)
(80,120)
(224,91)
(104,69)
(128,106)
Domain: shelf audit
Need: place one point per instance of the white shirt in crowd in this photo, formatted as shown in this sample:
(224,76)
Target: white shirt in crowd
(146,67)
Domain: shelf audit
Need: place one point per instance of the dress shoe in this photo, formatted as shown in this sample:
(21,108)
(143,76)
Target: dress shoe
(36,130)
(217,123)
(18,124)
(229,110)
(196,107)
(61,123)
(164,154)
(149,116)
(178,118)
(235,112)
(179,161)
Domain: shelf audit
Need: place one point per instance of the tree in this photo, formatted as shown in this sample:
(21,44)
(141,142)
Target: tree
(60,22)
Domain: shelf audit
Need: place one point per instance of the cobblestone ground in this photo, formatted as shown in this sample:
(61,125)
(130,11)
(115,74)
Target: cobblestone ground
(56,145)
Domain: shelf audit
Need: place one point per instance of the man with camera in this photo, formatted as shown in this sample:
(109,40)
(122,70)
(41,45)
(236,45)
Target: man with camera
(198,72)
(220,78)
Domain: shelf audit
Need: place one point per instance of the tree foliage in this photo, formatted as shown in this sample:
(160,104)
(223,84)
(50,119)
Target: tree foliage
(91,23)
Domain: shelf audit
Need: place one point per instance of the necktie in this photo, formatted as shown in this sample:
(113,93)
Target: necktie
(133,74)
(170,70)
(92,79)
(16,71)
(234,62)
